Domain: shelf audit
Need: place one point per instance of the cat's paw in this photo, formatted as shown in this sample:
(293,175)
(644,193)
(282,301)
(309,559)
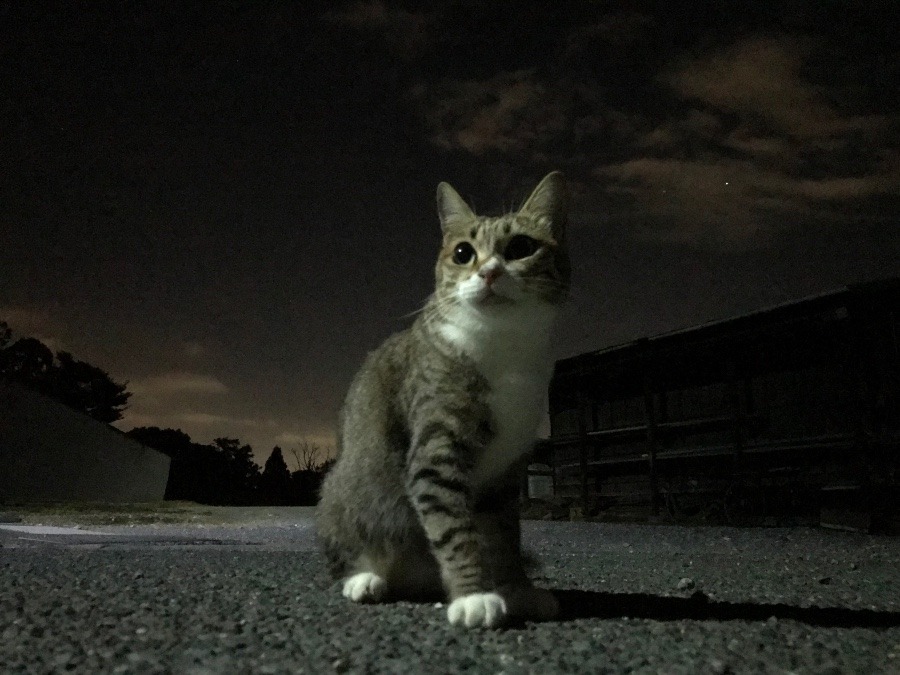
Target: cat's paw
(528,602)
(365,587)
(476,610)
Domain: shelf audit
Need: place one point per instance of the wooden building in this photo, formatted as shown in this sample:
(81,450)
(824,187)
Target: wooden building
(773,414)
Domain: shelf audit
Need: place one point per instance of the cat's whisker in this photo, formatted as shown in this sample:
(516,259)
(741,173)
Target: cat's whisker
(421,309)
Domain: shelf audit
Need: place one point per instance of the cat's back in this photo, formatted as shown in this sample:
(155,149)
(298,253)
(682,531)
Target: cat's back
(366,481)
(372,397)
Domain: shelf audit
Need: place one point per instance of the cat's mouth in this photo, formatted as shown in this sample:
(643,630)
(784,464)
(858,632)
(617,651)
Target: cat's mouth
(487,297)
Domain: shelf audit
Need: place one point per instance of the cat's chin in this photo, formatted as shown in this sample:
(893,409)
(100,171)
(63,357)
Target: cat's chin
(487,299)
(493,300)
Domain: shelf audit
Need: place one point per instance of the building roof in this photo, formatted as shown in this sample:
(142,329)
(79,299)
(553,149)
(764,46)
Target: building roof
(835,304)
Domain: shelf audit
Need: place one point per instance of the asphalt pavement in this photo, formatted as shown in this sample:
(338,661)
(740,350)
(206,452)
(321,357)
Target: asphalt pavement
(244,591)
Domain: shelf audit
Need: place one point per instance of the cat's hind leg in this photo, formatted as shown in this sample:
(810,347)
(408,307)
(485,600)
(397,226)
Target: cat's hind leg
(368,583)
(408,573)
(415,575)
(365,587)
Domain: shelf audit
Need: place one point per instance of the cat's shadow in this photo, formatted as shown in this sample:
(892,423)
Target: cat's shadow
(578,604)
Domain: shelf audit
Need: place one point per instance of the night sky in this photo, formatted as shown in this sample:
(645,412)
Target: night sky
(228,204)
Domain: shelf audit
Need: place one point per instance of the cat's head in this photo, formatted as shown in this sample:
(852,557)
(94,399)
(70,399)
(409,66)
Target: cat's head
(489,264)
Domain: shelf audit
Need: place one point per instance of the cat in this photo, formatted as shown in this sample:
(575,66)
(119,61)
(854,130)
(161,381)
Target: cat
(423,497)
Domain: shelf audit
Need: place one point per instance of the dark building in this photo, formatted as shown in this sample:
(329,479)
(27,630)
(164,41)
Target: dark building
(783,413)
(52,453)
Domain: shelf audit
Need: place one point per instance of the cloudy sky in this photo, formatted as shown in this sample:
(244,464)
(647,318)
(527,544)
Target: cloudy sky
(228,204)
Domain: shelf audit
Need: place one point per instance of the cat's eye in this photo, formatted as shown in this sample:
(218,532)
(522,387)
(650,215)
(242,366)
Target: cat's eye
(464,253)
(520,246)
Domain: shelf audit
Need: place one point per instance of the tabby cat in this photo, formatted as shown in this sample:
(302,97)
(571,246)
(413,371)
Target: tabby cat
(423,498)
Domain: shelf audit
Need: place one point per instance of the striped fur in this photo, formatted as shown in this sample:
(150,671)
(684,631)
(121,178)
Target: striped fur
(423,498)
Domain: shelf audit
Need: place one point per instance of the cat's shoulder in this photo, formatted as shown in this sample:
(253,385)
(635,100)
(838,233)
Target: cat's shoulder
(401,352)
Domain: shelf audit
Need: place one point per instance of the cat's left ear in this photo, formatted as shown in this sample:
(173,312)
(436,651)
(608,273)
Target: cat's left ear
(451,207)
(551,199)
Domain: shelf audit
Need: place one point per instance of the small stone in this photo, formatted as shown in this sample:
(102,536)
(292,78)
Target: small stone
(340,665)
(718,666)
(685,584)
(825,581)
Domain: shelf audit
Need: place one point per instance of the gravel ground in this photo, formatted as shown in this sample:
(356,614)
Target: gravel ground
(253,598)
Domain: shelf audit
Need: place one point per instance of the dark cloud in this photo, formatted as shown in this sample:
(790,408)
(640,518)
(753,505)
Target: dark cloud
(747,145)
(512,113)
(768,149)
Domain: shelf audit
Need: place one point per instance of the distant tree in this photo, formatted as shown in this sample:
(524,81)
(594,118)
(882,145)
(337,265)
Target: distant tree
(76,383)
(275,482)
(242,473)
(29,361)
(88,388)
(311,469)
(171,442)
(307,455)
(240,456)
(222,473)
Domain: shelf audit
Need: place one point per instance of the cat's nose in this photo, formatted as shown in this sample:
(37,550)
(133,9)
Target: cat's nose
(490,271)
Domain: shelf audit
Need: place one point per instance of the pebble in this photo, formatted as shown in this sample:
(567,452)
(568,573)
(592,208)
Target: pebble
(685,584)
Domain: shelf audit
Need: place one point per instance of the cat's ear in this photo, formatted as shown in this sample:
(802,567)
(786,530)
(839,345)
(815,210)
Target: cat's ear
(550,198)
(451,207)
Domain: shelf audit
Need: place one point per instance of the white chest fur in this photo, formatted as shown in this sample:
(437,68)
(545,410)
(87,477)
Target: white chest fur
(516,402)
(512,351)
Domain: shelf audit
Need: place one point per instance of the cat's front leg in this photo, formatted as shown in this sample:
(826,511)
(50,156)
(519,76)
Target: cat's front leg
(497,520)
(439,488)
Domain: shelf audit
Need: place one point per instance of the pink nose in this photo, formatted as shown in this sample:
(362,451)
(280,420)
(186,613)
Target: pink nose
(490,273)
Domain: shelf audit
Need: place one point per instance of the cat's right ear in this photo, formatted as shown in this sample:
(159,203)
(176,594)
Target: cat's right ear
(451,207)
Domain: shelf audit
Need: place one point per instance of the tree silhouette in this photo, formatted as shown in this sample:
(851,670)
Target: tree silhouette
(275,482)
(306,455)
(223,473)
(76,383)
(29,361)
(171,442)
(88,388)
(242,473)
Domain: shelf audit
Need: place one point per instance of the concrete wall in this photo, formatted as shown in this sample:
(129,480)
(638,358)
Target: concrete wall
(49,452)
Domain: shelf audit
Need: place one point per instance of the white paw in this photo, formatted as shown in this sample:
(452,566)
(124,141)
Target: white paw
(528,602)
(476,610)
(365,587)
